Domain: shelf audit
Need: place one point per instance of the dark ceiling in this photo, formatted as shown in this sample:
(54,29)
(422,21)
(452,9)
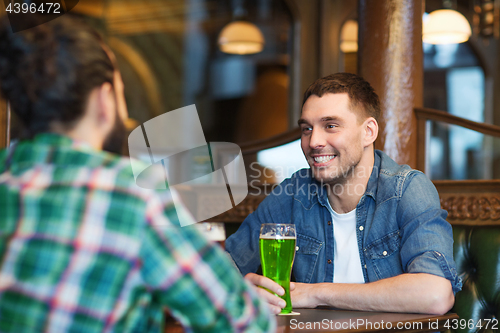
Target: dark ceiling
(463,5)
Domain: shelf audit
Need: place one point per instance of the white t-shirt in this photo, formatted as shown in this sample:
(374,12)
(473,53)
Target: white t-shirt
(346,258)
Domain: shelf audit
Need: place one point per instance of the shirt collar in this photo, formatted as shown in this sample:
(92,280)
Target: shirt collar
(55,139)
(51,148)
(371,187)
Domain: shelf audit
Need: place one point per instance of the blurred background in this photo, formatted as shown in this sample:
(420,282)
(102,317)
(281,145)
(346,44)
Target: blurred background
(171,54)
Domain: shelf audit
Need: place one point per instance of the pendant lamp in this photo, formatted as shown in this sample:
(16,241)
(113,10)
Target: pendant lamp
(445,26)
(349,36)
(241,37)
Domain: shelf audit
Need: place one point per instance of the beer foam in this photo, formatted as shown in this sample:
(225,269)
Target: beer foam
(277,237)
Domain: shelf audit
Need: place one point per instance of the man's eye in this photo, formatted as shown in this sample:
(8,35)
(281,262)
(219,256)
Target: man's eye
(331,126)
(306,129)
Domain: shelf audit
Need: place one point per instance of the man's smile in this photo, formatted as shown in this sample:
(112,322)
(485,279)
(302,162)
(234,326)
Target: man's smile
(322,159)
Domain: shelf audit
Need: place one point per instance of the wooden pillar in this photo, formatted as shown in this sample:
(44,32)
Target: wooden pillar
(391,59)
(4,124)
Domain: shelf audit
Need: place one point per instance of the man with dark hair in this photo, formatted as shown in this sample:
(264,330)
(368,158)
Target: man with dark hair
(82,248)
(370,233)
(362,98)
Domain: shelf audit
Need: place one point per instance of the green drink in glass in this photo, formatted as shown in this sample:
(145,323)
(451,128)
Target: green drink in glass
(277,251)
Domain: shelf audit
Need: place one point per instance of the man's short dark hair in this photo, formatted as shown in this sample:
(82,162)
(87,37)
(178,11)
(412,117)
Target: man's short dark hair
(361,94)
(47,72)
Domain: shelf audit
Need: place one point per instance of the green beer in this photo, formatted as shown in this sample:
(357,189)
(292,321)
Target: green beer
(276,256)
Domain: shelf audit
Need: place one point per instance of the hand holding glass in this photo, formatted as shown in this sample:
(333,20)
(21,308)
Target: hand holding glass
(277,251)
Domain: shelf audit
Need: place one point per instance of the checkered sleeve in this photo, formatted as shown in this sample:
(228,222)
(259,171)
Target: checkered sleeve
(195,280)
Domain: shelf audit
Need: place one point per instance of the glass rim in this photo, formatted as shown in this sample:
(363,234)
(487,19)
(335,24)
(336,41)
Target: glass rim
(278,230)
(286,224)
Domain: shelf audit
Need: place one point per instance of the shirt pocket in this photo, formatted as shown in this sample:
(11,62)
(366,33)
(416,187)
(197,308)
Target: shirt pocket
(306,258)
(383,254)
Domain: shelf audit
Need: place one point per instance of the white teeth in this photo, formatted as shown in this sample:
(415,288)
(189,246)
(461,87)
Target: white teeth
(323,159)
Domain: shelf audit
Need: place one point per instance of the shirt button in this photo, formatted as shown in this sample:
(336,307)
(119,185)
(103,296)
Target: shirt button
(329,222)
(361,228)
(329,261)
(384,253)
(296,248)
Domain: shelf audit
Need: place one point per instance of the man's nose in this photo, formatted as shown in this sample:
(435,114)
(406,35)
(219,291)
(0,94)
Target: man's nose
(317,139)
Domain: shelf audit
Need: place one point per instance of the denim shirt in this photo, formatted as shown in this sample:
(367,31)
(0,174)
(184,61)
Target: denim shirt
(400,227)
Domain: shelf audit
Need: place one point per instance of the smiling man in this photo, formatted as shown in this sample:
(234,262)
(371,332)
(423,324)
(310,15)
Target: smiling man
(370,233)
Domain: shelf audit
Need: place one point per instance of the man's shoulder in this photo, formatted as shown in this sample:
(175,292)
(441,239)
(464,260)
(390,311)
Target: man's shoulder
(70,163)
(120,164)
(394,178)
(121,169)
(93,161)
(391,168)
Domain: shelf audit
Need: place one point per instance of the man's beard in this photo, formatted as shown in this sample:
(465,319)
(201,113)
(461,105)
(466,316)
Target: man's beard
(340,173)
(340,176)
(115,139)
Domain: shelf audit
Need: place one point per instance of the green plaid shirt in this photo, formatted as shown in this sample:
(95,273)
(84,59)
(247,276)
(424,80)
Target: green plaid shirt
(84,249)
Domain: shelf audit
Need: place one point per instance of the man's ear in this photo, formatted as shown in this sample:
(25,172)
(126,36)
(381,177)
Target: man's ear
(370,126)
(106,104)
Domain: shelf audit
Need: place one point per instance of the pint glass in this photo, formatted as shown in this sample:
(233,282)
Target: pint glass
(277,251)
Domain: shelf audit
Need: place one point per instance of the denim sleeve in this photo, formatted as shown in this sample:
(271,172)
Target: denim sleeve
(426,236)
(243,245)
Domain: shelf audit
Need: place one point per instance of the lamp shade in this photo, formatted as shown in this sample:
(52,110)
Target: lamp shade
(349,37)
(445,26)
(241,37)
